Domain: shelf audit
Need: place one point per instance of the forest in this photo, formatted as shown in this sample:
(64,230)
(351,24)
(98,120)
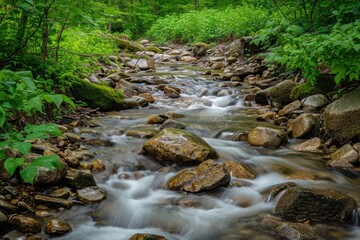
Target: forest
(49,47)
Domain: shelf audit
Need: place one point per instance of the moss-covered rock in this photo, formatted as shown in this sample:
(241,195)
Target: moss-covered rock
(200,49)
(98,96)
(129,45)
(154,49)
(302,91)
(279,95)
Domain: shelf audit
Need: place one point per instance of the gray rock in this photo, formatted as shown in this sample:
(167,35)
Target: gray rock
(342,117)
(207,176)
(266,137)
(311,145)
(314,102)
(316,205)
(296,231)
(141,63)
(289,108)
(303,125)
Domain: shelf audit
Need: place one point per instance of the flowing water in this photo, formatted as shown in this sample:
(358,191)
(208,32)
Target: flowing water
(138,201)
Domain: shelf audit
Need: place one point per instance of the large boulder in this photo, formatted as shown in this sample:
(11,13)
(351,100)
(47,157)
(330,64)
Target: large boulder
(178,146)
(200,49)
(279,95)
(266,137)
(49,176)
(315,205)
(98,96)
(314,102)
(25,224)
(141,63)
(207,176)
(342,117)
(129,45)
(303,125)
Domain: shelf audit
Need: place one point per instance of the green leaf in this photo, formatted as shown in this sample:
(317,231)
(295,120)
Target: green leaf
(50,128)
(28,174)
(2,154)
(35,103)
(50,161)
(68,101)
(56,99)
(29,82)
(12,164)
(23,147)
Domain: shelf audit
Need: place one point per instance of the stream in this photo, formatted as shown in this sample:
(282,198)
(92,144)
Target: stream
(138,201)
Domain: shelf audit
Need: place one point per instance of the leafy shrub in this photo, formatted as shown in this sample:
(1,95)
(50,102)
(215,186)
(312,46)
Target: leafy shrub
(20,140)
(20,97)
(210,24)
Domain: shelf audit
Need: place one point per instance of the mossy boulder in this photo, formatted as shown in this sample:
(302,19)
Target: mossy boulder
(316,205)
(178,146)
(279,95)
(342,117)
(154,49)
(303,90)
(98,96)
(129,45)
(200,49)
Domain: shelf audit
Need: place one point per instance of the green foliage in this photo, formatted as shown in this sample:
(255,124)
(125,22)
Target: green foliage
(210,24)
(302,91)
(20,140)
(20,96)
(339,50)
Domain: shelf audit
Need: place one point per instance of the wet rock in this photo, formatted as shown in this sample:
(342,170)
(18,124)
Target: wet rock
(238,170)
(311,145)
(148,97)
(170,123)
(296,231)
(25,224)
(303,125)
(79,178)
(171,92)
(90,195)
(267,137)
(209,175)
(342,117)
(98,165)
(146,236)
(142,133)
(266,116)
(218,66)
(61,193)
(43,146)
(314,102)
(7,207)
(339,163)
(188,59)
(241,136)
(47,176)
(99,142)
(289,108)
(53,201)
(279,95)
(156,119)
(279,120)
(345,153)
(72,137)
(174,115)
(315,205)
(14,235)
(57,227)
(12,190)
(3,220)
(178,146)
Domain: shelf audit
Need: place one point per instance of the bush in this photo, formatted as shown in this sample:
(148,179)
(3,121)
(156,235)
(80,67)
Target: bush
(210,24)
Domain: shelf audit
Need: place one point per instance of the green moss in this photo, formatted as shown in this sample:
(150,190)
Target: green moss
(128,45)
(280,93)
(303,90)
(154,49)
(202,45)
(98,96)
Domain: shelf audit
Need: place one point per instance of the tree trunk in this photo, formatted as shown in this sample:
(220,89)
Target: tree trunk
(153,7)
(44,38)
(195,4)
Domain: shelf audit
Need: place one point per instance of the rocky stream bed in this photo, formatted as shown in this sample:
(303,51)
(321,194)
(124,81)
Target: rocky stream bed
(207,151)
